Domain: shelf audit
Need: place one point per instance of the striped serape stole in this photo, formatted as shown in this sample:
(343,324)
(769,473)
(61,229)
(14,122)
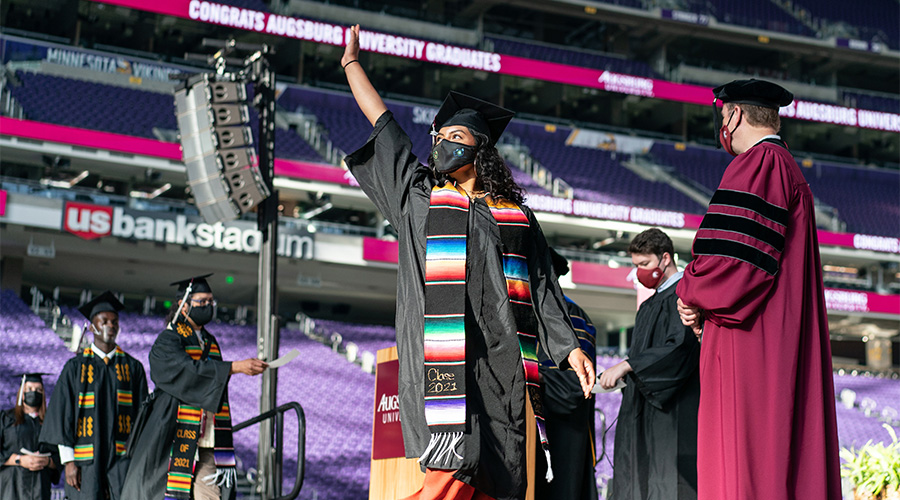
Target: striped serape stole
(445,307)
(514,232)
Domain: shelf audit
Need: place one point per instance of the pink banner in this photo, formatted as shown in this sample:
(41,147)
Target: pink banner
(2,202)
(376,250)
(589,273)
(314,172)
(89,138)
(387,435)
(326,173)
(463,57)
(859,301)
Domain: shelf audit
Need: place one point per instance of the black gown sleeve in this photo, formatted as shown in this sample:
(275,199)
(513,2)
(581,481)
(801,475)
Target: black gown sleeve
(139,388)
(197,383)
(59,419)
(386,168)
(6,448)
(662,370)
(555,331)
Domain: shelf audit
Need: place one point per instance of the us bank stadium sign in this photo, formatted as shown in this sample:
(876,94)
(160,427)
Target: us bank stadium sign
(91,221)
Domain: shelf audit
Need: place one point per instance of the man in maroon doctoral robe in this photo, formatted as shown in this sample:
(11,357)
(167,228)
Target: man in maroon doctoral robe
(766,423)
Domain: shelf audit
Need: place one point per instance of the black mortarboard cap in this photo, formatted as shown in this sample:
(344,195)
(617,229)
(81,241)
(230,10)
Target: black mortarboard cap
(198,284)
(479,116)
(560,263)
(756,92)
(34,377)
(106,302)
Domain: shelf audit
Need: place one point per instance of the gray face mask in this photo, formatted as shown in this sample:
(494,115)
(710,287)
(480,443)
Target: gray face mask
(105,334)
(448,156)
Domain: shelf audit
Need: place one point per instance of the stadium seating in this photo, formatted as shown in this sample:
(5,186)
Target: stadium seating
(873,19)
(336,395)
(120,110)
(598,175)
(595,175)
(571,57)
(866,199)
(28,346)
(92,105)
(870,101)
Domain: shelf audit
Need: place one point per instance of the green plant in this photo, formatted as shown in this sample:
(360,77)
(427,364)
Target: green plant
(874,467)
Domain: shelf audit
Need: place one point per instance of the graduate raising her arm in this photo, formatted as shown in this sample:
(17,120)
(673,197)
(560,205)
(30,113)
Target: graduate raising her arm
(476,292)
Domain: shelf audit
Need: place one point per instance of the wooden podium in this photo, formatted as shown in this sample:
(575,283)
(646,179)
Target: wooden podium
(392,476)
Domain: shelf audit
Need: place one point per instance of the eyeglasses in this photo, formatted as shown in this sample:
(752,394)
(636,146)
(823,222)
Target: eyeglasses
(201,303)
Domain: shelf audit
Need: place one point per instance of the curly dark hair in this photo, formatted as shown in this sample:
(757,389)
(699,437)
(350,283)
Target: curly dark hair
(494,176)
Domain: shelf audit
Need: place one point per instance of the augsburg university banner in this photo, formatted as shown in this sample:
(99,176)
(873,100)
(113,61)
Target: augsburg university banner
(469,58)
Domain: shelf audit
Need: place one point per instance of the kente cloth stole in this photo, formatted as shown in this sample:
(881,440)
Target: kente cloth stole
(86,408)
(445,304)
(183,453)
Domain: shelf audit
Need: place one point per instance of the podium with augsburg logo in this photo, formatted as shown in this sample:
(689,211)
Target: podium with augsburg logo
(392,475)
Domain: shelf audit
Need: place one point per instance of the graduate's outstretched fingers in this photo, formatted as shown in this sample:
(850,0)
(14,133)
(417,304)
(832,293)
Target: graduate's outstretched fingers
(351,50)
(611,376)
(251,366)
(584,369)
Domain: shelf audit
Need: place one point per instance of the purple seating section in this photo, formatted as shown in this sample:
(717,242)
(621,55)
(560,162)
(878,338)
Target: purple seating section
(598,175)
(760,14)
(78,103)
(870,101)
(109,108)
(854,427)
(336,395)
(874,19)
(572,57)
(28,346)
(865,199)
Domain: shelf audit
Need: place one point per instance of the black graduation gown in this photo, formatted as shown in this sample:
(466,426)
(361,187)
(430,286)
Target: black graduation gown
(570,427)
(107,470)
(656,434)
(178,379)
(494,443)
(18,483)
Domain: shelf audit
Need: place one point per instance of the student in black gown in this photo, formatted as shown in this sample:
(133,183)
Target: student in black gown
(94,406)
(570,417)
(26,476)
(182,446)
(495,296)
(656,435)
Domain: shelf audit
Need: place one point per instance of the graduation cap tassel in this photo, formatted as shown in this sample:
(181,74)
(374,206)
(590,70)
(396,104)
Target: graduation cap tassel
(187,292)
(549,467)
(21,398)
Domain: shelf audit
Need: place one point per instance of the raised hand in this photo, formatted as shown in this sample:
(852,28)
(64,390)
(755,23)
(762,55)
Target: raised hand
(351,51)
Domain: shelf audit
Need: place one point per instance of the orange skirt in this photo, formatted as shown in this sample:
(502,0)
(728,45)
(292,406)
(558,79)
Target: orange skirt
(441,485)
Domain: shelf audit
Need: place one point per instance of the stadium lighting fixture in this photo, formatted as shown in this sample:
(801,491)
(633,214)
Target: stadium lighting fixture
(152,194)
(66,183)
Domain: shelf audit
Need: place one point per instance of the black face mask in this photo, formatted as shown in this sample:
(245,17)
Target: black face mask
(34,399)
(450,156)
(201,315)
